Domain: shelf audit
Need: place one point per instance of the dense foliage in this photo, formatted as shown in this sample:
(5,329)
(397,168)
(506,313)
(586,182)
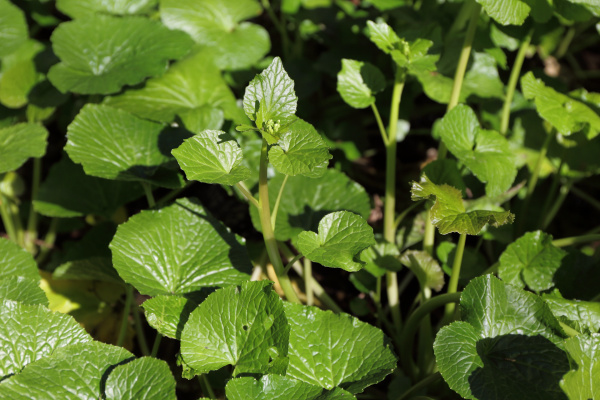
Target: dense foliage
(201,198)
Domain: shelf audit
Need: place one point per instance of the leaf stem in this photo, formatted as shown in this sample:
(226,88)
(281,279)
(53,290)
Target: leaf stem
(429,234)
(310,297)
(285,40)
(139,331)
(422,384)
(586,197)
(389,211)
(172,194)
(382,131)
(512,83)
(149,196)
(571,241)
(278,201)
(126,310)
(206,387)
(414,321)
(48,243)
(292,261)
(7,218)
(31,234)
(558,202)
(156,345)
(456,265)
(267,229)
(242,188)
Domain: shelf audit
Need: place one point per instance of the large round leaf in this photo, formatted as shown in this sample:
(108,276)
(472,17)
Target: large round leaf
(76,372)
(143,378)
(84,8)
(30,332)
(244,327)
(101,54)
(178,249)
(114,144)
(304,202)
(168,314)
(20,142)
(217,25)
(13,28)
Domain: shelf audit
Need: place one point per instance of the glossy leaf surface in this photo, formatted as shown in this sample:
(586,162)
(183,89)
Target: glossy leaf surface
(20,142)
(143,378)
(358,82)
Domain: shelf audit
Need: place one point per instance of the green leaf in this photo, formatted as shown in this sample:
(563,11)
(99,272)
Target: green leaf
(72,373)
(85,8)
(212,157)
(358,82)
(21,289)
(565,114)
(584,381)
(448,212)
(168,314)
(445,172)
(31,332)
(342,236)
(300,150)
(425,267)
(383,256)
(13,28)
(383,36)
(486,153)
(270,96)
(191,89)
(97,141)
(69,192)
(143,378)
(16,261)
(331,350)
(506,12)
(531,261)
(304,203)
(16,83)
(583,316)
(102,53)
(245,327)
(506,343)
(273,387)
(216,24)
(20,142)
(473,262)
(178,249)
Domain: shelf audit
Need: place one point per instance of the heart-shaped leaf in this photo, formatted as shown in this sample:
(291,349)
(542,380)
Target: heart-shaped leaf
(506,343)
(168,314)
(20,142)
(217,25)
(113,144)
(191,89)
(448,212)
(531,260)
(336,350)
(486,153)
(244,327)
(101,54)
(212,157)
(143,378)
(31,332)
(83,8)
(358,82)
(300,150)
(13,28)
(178,249)
(342,236)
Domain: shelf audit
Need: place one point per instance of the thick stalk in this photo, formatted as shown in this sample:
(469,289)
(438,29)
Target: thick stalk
(512,83)
(429,234)
(31,234)
(571,241)
(242,188)
(125,320)
(149,196)
(267,229)
(278,201)
(7,218)
(453,284)
(389,212)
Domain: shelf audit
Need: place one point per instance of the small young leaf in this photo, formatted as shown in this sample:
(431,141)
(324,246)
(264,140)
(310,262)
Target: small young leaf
(448,212)
(300,150)
(425,267)
(96,141)
(531,261)
(74,372)
(33,332)
(244,327)
(342,236)
(506,336)
(270,96)
(178,249)
(69,192)
(168,314)
(102,53)
(85,8)
(13,28)
(358,82)
(486,153)
(583,382)
(217,26)
(192,89)
(212,157)
(566,114)
(20,142)
(336,350)
(142,378)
